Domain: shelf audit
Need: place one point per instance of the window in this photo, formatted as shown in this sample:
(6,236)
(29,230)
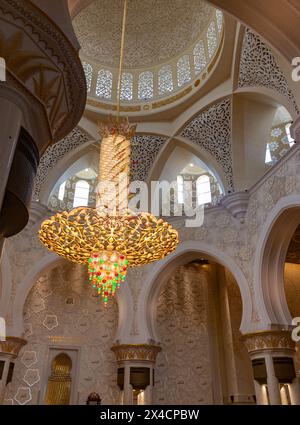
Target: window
(211,39)
(61,192)
(145,85)
(199,57)
(81,195)
(165,79)
(219,17)
(288,133)
(203,190)
(268,157)
(88,71)
(180,186)
(183,70)
(126,86)
(104,84)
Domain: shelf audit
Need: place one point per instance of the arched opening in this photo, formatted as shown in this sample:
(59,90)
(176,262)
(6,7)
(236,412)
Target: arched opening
(198,312)
(276,288)
(62,313)
(77,190)
(292,286)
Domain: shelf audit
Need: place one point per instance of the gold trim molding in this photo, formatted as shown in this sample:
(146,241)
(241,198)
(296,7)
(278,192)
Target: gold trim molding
(132,352)
(268,340)
(12,345)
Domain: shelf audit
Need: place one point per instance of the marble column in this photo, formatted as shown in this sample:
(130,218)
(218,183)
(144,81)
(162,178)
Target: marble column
(9,350)
(272,381)
(294,388)
(267,345)
(11,117)
(138,355)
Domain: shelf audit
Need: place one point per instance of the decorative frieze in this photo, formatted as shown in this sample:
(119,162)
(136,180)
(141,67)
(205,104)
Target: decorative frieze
(136,352)
(269,340)
(12,345)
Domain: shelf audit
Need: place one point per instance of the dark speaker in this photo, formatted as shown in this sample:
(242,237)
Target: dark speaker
(139,377)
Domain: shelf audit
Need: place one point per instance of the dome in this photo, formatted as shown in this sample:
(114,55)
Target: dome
(156,30)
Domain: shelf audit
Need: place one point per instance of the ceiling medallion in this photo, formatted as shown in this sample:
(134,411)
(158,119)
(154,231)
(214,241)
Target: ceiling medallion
(110,240)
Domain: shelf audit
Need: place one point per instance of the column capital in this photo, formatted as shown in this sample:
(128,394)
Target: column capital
(269,340)
(136,352)
(12,346)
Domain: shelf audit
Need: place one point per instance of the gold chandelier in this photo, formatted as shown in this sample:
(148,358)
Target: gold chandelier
(109,240)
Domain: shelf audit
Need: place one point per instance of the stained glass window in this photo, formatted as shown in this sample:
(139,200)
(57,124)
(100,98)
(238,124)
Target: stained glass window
(219,16)
(183,70)
(104,84)
(165,79)
(81,195)
(88,71)
(145,85)
(199,57)
(211,39)
(203,190)
(126,86)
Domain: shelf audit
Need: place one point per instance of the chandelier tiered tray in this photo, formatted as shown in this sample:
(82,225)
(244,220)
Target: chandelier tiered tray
(108,240)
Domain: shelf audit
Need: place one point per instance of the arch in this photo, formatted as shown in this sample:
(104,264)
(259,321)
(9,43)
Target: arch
(271,250)
(187,251)
(59,381)
(266,94)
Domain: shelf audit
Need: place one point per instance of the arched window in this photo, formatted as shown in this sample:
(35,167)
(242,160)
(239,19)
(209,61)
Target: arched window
(61,192)
(165,79)
(88,71)
(126,86)
(104,84)
(145,85)
(211,39)
(219,17)
(180,187)
(81,195)
(199,57)
(183,70)
(203,190)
